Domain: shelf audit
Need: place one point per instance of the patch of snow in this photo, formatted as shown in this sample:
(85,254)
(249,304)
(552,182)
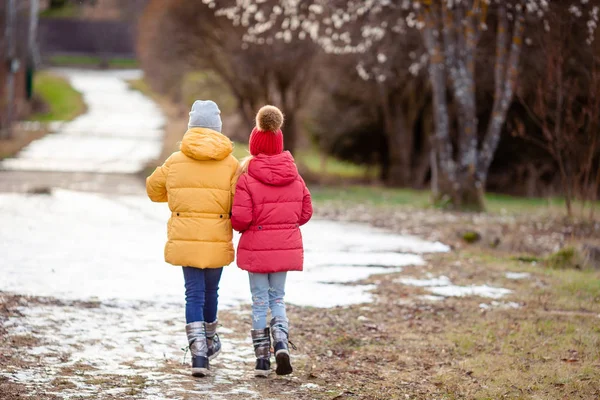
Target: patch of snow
(497,304)
(120,132)
(442,286)
(463,291)
(517,275)
(309,385)
(441,281)
(429,297)
(142,339)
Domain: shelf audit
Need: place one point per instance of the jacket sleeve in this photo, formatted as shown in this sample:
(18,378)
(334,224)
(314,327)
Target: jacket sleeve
(307,209)
(156,184)
(241,215)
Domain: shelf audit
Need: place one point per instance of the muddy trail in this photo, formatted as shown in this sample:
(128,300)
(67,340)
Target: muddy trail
(73,349)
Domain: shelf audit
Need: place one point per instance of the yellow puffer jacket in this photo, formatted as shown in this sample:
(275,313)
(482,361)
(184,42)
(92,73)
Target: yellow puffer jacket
(198,182)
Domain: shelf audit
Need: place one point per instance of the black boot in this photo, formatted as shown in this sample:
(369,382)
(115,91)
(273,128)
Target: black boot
(262,349)
(196,335)
(212,340)
(280,332)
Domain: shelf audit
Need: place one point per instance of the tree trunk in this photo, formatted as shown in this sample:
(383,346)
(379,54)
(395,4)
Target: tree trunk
(466,194)
(290,131)
(506,72)
(425,162)
(400,143)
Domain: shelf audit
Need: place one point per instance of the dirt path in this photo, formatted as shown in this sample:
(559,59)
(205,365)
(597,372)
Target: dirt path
(120,132)
(109,350)
(110,324)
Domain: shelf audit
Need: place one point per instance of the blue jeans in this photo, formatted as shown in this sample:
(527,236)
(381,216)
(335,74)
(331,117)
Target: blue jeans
(201,293)
(267,292)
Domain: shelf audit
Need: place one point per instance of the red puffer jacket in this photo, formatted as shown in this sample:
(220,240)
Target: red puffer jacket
(271,203)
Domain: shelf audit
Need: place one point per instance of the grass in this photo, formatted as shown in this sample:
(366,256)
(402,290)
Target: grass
(381,196)
(61,102)
(141,86)
(549,348)
(92,61)
(69,10)
(240,150)
(526,354)
(313,163)
(64,102)
(331,166)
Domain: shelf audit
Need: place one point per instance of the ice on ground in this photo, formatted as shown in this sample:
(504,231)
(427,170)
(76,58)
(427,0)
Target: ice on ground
(463,291)
(441,281)
(73,245)
(497,304)
(442,286)
(116,341)
(309,385)
(357,238)
(517,275)
(428,297)
(120,132)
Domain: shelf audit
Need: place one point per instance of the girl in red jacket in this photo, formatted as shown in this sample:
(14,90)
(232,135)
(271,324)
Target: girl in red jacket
(270,204)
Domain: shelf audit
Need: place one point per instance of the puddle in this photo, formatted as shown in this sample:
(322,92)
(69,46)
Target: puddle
(111,248)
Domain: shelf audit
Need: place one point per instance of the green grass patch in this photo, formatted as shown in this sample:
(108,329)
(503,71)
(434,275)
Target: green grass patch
(141,86)
(93,61)
(384,196)
(369,195)
(331,166)
(567,257)
(515,357)
(64,103)
(550,347)
(69,10)
(240,150)
(312,161)
(576,290)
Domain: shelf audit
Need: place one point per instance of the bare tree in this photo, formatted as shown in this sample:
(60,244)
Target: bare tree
(565,105)
(450,31)
(191,37)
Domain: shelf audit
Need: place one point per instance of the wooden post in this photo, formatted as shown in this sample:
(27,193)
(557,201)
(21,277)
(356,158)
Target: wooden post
(12,65)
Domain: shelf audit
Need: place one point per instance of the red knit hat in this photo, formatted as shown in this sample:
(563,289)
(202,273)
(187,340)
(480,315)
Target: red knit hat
(267,137)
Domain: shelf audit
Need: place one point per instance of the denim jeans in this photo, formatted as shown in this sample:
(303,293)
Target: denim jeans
(267,292)
(201,293)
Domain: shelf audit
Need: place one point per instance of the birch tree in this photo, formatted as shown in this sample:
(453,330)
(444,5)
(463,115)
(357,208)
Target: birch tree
(450,30)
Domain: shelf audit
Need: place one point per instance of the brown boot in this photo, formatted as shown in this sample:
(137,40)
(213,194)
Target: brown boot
(262,349)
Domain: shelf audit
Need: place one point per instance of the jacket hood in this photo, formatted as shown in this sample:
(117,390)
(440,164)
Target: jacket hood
(277,170)
(205,144)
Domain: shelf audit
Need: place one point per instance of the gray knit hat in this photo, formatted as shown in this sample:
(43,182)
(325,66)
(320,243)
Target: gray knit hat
(205,114)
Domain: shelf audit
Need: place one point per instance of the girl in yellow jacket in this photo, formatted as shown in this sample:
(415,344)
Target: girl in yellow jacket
(198,183)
